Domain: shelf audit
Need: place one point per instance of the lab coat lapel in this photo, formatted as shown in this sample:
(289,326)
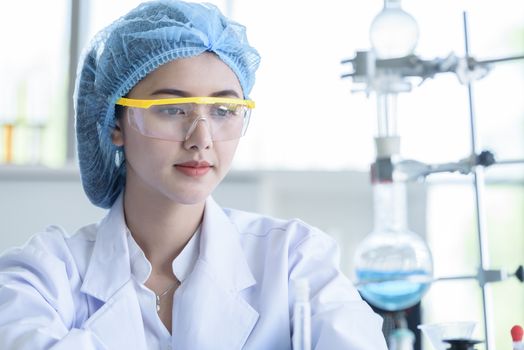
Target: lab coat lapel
(117,318)
(209,312)
(118,323)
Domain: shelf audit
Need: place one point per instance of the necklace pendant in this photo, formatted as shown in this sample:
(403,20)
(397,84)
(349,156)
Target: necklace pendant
(157,303)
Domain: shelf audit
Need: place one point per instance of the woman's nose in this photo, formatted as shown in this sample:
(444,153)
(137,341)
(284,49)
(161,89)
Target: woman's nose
(199,135)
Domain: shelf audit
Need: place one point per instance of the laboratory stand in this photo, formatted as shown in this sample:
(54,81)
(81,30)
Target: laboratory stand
(393,265)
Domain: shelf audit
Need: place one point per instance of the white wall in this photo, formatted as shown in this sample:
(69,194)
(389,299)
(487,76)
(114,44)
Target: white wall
(337,202)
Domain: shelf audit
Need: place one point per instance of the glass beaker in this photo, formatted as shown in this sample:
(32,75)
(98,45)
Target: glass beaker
(437,332)
(393,265)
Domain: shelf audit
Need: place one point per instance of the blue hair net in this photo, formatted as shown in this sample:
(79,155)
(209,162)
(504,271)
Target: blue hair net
(122,54)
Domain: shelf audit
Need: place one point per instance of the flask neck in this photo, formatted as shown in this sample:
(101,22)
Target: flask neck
(392,4)
(389,206)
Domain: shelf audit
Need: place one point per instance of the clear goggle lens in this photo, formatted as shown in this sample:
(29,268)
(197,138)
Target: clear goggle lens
(176,122)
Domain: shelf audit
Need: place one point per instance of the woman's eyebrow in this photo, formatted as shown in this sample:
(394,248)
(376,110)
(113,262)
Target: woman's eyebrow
(225,93)
(182,93)
(175,92)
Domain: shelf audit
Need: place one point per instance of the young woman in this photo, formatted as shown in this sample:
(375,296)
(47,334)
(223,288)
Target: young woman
(161,103)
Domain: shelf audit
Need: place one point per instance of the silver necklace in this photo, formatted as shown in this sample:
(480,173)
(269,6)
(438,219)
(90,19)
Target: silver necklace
(158,296)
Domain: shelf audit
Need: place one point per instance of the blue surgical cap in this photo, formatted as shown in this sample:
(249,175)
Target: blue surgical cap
(122,54)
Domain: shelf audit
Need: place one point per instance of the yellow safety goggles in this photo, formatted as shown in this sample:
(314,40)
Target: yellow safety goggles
(175,119)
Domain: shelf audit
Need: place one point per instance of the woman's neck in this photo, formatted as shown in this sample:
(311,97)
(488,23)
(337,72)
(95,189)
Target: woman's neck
(160,226)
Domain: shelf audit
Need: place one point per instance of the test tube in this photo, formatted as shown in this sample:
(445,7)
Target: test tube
(301,316)
(8,142)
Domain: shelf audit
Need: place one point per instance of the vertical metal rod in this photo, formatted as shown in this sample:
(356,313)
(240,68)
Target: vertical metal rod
(479,183)
(73,59)
(229,8)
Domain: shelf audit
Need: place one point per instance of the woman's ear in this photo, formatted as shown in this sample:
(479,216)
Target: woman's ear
(117,135)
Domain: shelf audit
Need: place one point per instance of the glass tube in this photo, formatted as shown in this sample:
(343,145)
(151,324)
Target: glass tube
(386,114)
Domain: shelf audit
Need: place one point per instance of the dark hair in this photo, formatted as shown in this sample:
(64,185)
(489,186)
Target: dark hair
(119,111)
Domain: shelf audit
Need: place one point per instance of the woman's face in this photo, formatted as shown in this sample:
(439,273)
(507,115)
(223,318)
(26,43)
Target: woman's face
(185,172)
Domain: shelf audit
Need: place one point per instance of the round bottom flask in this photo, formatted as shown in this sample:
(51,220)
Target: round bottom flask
(393,265)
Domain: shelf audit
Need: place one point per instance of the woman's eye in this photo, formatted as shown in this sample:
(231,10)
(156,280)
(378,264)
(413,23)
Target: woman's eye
(224,111)
(171,111)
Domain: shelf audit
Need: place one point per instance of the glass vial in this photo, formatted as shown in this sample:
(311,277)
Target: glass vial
(301,316)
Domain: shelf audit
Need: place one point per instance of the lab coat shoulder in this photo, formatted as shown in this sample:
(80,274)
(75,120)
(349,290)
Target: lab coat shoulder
(302,242)
(43,303)
(254,225)
(53,250)
(45,263)
(40,292)
(293,249)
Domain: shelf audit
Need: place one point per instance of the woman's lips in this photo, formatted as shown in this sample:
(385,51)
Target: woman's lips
(193,168)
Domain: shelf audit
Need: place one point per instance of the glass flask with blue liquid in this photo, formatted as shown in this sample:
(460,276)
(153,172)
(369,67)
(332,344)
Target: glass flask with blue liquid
(393,265)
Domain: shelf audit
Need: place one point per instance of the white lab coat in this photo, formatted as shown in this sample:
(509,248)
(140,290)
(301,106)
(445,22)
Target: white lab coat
(61,292)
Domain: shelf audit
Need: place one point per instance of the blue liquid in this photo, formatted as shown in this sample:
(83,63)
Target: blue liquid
(393,290)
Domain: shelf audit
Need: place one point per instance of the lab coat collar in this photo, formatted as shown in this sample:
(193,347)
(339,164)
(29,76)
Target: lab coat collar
(208,302)
(108,278)
(220,248)
(109,268)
